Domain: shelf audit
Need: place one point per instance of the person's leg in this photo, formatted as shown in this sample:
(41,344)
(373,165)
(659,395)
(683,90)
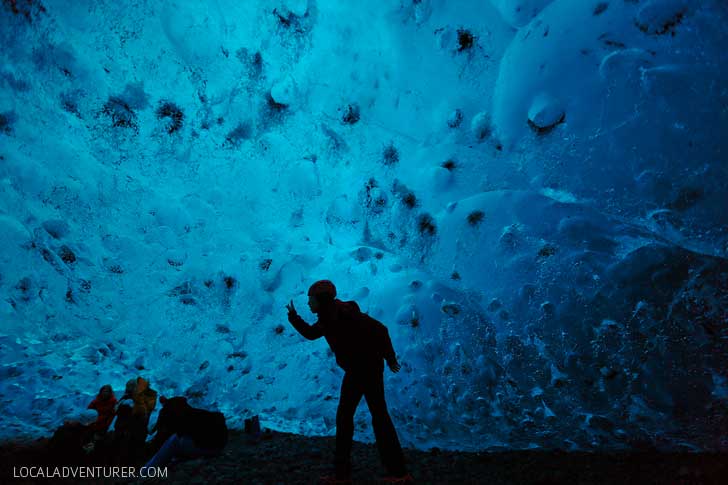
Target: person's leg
(390,450)
(188,449)
(351,393)
(179,446)
(169,450)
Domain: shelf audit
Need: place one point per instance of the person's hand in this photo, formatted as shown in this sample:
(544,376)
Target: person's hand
(394,366)
(291,309)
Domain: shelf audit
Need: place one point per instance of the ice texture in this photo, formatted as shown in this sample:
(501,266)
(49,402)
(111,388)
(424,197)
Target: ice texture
(530,194)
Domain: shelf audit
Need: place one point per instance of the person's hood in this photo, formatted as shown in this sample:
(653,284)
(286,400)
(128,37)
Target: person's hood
(346,308)
(112,397)
(342,310)
(142,385)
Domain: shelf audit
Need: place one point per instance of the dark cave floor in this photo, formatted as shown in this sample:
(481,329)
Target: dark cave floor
(288,458)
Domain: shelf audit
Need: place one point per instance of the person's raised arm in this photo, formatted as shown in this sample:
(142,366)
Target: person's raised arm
(311,332)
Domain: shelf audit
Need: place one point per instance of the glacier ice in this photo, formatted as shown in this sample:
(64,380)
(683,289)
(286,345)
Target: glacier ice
(530,194)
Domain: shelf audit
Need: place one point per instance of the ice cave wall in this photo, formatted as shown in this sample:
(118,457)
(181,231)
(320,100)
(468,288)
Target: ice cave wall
(530,194)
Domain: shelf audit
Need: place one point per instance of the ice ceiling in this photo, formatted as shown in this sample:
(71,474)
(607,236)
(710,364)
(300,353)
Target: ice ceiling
(531,194)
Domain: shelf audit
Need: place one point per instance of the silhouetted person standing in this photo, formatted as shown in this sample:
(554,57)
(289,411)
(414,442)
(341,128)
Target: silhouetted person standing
(361,344)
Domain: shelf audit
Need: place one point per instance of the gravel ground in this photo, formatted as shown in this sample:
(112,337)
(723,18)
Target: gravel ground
(287,458)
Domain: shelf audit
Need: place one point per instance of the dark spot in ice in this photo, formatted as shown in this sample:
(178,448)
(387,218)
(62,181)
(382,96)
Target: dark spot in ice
(273,105)
(30,9)
(426,225)
(121,114)
(265,264)
(548,309)
(69,296)
(449,165)
(455,120)
(273,112)
(229,282)
(6,122)
(57,229)
(69,104)
(241,132)
(60,337)
(187,300)
(455,276)
(116,269)
(544,130)
(204,365)
(47,255)
(67,255)
(173,113)
(351,114)
(600,8)
(410,200)
(208,283)
(547,250)
(476,217)
(451,309)
(254,62)
(284,20)
(219,328)
(279,329)
(610,42)
(390,155)
(667,27)
(466,40)
(237,355)
(686,198)
(614,43)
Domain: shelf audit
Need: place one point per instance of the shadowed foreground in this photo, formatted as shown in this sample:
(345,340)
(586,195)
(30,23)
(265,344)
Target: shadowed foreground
(288,458)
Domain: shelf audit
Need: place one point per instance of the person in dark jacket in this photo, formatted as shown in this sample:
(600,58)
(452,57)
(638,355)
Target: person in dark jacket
(361,345)
(186,432)
(129,431)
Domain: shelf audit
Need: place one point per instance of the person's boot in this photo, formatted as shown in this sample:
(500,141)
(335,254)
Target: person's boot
(402,479)
(342,474)
(334,480)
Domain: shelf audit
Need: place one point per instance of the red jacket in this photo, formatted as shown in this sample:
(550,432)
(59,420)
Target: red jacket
(106,412)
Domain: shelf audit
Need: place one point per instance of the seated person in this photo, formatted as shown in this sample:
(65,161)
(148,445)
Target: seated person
(130,424)
(186,432)
(72,443)
(105,406)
